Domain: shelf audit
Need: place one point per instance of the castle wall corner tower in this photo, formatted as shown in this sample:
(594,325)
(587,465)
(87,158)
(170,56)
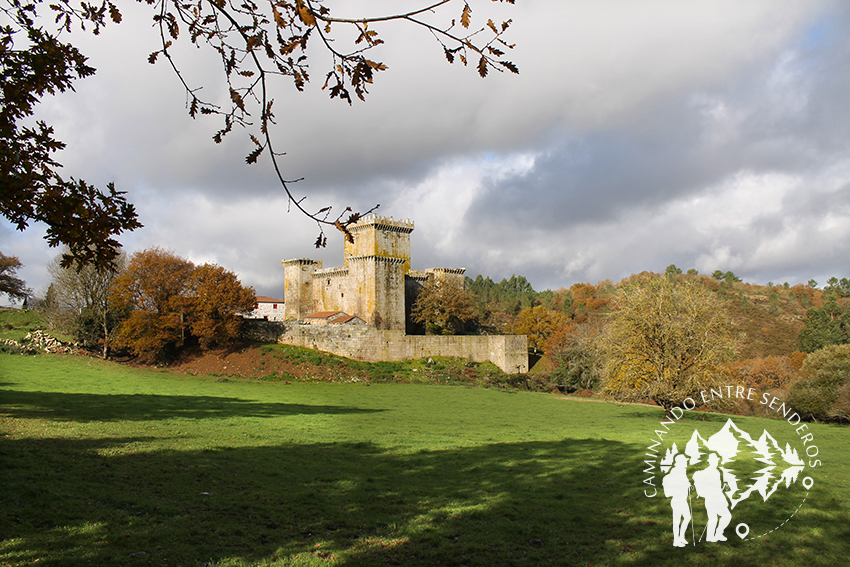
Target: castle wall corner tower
(298,293)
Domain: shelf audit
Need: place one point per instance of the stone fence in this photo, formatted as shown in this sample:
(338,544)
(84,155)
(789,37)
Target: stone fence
(360,342)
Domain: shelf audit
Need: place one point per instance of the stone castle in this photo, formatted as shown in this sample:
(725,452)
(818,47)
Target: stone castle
(362,309)
(376,284)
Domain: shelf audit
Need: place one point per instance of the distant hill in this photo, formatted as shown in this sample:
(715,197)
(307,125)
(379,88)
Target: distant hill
(768,318)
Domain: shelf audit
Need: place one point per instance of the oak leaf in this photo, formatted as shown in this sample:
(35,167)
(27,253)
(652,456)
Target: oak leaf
(482,66)
(305,14)
(465,15)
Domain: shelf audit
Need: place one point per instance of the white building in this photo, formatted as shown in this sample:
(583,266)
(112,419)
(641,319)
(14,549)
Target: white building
(267,308)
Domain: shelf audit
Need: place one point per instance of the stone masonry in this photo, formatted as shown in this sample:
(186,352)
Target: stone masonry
(377,285)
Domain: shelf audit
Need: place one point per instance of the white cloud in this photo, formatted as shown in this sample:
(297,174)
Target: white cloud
(638,134)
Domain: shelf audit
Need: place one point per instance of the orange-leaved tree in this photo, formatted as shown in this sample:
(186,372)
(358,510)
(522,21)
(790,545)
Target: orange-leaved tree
(154,293)
(219,298)
(539,324)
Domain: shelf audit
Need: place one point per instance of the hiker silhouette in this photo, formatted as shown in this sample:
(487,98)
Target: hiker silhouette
(677,487)
(709,486)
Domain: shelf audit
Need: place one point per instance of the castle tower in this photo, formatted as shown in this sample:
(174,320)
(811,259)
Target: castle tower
(377,261)
(381,237)
(298,292)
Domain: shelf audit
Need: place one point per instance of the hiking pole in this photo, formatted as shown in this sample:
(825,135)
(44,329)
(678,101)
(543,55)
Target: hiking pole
(691,510)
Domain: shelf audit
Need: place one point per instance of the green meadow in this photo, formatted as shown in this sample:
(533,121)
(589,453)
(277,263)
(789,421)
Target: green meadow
(105,465)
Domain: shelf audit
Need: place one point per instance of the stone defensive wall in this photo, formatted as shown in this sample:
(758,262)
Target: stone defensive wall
(361,342)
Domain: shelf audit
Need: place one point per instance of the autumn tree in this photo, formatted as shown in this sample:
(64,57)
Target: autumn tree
(254,43)
(219,300)
(765,373)
(666,340)
(83,292)
(445,308)
(539,324)
(154,293)
(11,285)
(588,300)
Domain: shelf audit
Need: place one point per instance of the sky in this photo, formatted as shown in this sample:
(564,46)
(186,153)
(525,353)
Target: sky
(710,134)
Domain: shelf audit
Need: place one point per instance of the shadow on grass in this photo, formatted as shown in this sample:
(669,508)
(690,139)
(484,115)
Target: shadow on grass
(143,407)
(574,502)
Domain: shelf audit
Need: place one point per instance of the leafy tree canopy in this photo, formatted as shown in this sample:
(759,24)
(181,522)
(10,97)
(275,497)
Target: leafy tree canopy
(10,284)
(167,299)
(665,341)
(444,308)
(824,326)
(219,298)
(539,324)
(824,392)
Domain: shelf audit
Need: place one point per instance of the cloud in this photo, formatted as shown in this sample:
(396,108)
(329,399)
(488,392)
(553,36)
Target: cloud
(738,177)
(638,134)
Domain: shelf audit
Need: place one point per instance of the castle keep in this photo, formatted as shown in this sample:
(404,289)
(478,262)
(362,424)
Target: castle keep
(377,286)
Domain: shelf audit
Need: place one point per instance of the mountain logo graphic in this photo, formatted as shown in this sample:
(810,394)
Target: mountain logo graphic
(730,474)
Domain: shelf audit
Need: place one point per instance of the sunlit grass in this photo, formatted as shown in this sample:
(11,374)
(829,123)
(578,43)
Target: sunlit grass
(105,465)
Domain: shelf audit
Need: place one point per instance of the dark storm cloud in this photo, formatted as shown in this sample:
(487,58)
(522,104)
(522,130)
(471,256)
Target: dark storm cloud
(629,140)
(685,146)
(779,123)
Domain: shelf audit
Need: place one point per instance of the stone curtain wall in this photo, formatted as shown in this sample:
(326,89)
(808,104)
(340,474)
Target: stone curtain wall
(262,331)
(361,342)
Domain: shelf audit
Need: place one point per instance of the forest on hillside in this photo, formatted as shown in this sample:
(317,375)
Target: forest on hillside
(650,337)
(792,340)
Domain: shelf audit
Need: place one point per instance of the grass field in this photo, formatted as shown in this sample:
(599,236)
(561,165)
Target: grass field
(16,323)
(104,465)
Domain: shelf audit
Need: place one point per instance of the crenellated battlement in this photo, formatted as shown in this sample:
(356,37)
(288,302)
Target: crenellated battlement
(382,223)
(418,275)
(380,238)
(336,272)
(301,262)
(373,258)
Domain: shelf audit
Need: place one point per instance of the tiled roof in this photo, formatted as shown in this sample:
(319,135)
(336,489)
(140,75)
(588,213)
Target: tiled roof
(267,299)
(322,315)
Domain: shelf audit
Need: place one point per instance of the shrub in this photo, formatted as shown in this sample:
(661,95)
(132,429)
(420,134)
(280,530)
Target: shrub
(766,373)
(578,359)
(841,408)
(824,391)
(11,347)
